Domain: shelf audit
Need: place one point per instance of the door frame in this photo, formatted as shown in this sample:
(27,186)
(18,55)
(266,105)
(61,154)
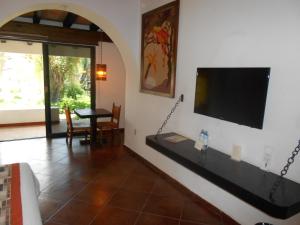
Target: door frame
(47,89)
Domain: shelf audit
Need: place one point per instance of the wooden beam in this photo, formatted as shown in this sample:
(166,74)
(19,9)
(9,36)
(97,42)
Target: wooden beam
(28,31)
(69,20)
(94,27)
(36,19)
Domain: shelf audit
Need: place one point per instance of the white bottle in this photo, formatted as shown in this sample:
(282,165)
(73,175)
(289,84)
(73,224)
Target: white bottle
(205,140)
(199,142)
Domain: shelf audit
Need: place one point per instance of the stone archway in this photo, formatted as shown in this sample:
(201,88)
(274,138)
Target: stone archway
(97,19)
(127,52)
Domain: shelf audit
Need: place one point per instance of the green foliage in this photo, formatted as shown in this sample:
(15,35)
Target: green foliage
(17,97)
(68,77)
(85,79)
(62,70)
(81,102)
(73,91)
(70,82)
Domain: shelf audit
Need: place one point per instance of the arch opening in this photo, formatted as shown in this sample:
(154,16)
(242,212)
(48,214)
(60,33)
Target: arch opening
(117,38)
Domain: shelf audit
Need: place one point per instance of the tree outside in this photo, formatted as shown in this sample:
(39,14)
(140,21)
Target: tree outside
(69,82)
(22,81)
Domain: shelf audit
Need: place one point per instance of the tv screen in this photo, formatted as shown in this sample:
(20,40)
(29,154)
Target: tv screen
(233,94)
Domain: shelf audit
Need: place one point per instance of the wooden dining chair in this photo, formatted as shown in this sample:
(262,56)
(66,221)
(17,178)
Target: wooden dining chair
(112,126)
(75,129)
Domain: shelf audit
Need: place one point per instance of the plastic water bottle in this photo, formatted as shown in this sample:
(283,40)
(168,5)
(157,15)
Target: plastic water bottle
(205,140)
(202,135)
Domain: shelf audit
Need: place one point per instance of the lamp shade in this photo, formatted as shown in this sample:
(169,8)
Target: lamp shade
(101,72)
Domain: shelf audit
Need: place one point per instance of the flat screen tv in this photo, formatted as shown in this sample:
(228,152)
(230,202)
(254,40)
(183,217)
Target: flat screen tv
(233,94)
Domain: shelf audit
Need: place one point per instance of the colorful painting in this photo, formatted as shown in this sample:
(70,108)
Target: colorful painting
(159,50)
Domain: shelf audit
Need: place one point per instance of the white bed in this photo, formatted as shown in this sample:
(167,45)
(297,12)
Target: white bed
(30,190)
(19,191)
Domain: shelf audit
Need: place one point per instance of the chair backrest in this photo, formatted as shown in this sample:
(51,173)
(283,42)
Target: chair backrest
(69,119)
(116,111)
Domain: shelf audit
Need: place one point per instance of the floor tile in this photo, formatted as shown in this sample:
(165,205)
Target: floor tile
(110,180)
(164,206)
(44,180)
(85,175)
(191,223)
(107,186)
(146,219)
(129,200)
(139,183)
(54,169)
(12,133)
(76,213)
(48,207)
(64,190)
(96,194)
(142,170)
(201,213)
(164,187)
(51,223)
(115,216)
(117,169)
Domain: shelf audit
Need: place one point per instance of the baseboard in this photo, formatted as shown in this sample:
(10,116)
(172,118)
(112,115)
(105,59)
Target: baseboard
(26,124)
(226,219)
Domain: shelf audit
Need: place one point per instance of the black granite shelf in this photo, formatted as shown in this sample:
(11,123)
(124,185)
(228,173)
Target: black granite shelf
(241,179)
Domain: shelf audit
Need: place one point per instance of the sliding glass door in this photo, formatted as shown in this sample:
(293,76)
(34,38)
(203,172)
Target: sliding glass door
(22,110)
(69,82)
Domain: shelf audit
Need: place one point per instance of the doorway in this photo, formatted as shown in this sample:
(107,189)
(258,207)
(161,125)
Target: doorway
(69,83)
(48,78)
(22,108)
(112,90)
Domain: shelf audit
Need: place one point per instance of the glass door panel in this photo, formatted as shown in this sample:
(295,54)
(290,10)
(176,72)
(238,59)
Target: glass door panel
(69,83)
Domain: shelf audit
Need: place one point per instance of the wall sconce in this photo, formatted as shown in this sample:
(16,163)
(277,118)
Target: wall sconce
(101,72)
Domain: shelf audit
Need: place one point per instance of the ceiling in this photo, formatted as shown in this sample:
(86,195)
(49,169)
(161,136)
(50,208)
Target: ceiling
(54,26)
(63,19)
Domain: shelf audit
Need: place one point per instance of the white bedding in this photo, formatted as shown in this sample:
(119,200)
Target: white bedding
(30,191)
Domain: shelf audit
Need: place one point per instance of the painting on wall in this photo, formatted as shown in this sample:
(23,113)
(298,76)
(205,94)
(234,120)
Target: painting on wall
(159,50)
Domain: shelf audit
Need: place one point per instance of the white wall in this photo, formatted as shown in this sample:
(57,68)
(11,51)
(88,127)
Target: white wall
(113,89)
(21,47)
(11,116)
(229,33)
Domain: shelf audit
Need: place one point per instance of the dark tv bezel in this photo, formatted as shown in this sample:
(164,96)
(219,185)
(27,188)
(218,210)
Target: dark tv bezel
(268,74)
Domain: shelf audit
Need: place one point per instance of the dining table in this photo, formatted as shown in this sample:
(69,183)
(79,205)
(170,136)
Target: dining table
(93,115)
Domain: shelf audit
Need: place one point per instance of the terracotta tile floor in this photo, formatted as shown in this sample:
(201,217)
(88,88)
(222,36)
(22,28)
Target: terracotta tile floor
(107,186)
